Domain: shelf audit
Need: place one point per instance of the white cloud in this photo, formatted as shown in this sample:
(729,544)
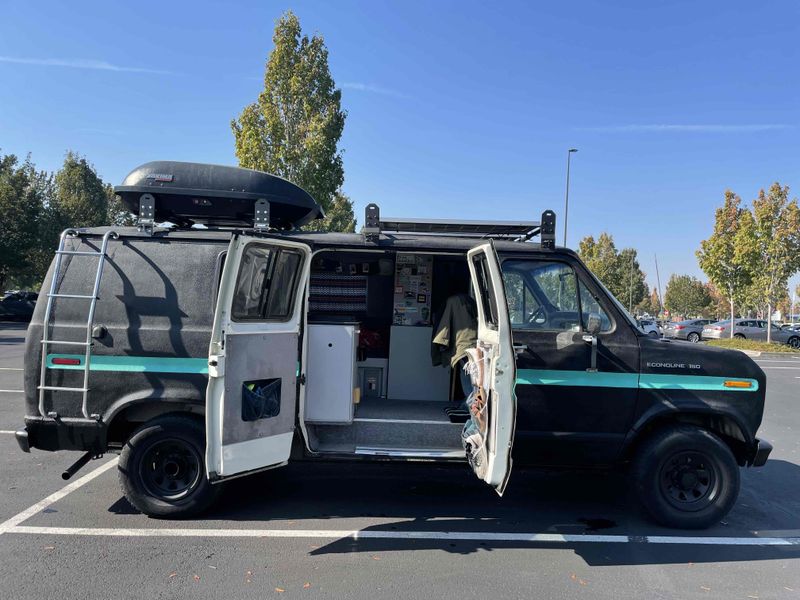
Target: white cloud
(371,88)
(676,128)
(72,63)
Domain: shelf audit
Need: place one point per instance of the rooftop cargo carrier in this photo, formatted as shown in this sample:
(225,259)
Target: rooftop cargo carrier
(215,195)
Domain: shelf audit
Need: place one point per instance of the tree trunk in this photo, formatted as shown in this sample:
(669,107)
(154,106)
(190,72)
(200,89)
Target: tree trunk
(769,323)
(732,319)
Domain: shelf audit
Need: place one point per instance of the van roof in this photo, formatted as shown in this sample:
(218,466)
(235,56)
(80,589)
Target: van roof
(325,239)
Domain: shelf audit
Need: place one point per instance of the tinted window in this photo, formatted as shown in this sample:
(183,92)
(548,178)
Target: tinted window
(485,291)
(589,305)
(522,305)
(265,287)
(548,291)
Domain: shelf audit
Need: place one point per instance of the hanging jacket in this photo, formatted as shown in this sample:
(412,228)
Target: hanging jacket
(456,331)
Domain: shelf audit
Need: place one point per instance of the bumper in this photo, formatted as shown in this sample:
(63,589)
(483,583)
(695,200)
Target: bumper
(21,436)
(64,434)
(762,449)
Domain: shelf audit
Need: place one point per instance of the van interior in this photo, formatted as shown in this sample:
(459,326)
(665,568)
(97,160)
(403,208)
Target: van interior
(372,387)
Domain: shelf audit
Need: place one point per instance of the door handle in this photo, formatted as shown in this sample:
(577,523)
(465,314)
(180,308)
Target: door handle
(520,348)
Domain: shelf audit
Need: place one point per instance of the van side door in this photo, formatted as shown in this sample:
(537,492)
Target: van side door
(251,402)
(493,428)
(569,411)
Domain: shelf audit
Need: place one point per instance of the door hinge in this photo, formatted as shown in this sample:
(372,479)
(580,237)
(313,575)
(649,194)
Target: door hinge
(302,379)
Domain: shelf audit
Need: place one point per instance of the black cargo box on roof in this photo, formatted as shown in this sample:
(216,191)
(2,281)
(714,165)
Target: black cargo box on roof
(216,195)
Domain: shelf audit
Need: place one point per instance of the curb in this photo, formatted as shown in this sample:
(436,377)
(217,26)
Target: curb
(750,352)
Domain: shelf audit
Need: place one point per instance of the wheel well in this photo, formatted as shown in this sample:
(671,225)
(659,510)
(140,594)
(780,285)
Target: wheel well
(130,418)
(723,426)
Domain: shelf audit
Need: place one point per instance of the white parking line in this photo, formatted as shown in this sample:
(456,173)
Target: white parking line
(12,391)
(26,514)
(372,534)
(794,362)
(793,368)
(11,369)
(6,431)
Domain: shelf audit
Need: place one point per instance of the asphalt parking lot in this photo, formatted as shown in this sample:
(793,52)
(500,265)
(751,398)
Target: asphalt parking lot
(393,531)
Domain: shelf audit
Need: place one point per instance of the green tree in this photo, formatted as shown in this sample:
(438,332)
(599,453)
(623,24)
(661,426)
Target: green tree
(81,197)
(773,239)
(293,128)
(618,270)
(650,304)
(686,296)
(724,257)
(117,213)
(22,202)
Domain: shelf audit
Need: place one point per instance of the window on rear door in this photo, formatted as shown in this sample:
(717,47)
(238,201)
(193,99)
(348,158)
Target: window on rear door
(266,284)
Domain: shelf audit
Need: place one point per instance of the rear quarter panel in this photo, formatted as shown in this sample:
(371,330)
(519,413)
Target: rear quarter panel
(156,299)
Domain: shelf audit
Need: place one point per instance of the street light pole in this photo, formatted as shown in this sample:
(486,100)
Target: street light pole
(566,196)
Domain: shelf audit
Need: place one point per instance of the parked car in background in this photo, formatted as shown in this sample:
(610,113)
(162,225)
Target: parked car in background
(752,329)
(650,327)
(690,329)
(17,306)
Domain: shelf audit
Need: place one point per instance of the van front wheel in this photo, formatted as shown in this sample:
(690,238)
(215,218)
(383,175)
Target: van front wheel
(686,477)
(162,468)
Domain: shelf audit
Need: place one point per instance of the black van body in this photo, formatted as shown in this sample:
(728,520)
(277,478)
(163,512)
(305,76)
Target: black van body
(161,290)
(153,322)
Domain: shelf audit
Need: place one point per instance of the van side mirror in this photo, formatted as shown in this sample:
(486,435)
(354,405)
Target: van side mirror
(594,323)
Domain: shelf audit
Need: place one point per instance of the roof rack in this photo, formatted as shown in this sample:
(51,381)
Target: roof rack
(519,231)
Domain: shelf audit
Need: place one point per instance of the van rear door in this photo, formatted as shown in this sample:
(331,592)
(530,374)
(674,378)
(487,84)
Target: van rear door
(494,428)
(251,402)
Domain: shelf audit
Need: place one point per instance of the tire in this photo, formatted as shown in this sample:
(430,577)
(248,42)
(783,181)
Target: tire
(693,337)
(653,334)
(739,336)
(794,342)
(177,487)
(672,490)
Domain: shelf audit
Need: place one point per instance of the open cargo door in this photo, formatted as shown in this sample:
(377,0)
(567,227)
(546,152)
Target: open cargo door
(489,434)
(251,402)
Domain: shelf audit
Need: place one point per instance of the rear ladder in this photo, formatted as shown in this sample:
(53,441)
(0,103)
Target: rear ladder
(101,256)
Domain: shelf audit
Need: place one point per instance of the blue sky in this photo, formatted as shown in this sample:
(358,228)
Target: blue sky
(456,109)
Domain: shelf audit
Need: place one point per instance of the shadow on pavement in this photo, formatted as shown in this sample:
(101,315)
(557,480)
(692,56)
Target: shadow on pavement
(422,497)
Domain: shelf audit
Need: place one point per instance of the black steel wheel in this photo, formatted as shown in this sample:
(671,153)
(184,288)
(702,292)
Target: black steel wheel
(688,480)
(794,342)
(170,469)
(685,477)
(162,468)
(693,337)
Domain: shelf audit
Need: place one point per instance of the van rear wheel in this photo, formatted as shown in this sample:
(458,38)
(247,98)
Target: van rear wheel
(686,477)
(162,468)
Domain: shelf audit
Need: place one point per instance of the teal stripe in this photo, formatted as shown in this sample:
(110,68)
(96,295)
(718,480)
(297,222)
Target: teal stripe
(577,378)
(645,381)
(134,364)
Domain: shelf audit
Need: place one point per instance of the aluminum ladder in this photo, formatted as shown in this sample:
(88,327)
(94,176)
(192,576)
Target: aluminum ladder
(101,256)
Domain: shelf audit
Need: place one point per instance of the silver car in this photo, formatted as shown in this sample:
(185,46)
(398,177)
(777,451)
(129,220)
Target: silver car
(751,329)
(690,329)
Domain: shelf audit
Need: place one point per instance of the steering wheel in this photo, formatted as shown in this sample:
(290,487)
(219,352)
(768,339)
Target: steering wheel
(537,317)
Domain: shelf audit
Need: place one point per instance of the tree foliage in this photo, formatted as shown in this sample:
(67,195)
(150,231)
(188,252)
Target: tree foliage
(724,257)
(687,296)
(294,126)
(773,244)
(751,254)
(619,271)
(23,202)
(81,197)
(36,206)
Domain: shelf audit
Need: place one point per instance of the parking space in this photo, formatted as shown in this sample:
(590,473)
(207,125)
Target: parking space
(371,531)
